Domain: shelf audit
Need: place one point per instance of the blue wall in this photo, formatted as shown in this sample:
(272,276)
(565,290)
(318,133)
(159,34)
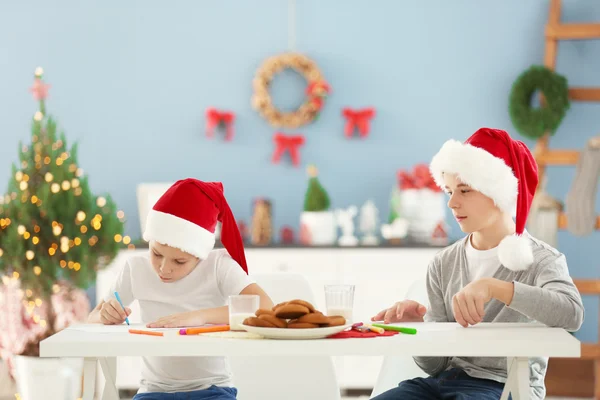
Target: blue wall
(123,72)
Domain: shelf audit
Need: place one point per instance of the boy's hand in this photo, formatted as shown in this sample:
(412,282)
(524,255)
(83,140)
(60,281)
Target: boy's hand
(111,313)
(180,320)
(403,311)
(468,304)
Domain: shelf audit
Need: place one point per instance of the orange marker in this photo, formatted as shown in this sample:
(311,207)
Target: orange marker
(206,329)
(151,333)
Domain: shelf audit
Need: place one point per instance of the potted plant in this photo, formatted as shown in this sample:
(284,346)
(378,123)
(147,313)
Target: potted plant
(397,227)
(54,235)
(317,222)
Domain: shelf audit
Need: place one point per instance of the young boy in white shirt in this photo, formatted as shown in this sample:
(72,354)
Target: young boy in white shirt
(498,273)
(184,282)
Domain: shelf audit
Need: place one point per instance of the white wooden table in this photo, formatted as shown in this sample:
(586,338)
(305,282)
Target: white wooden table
(516,342)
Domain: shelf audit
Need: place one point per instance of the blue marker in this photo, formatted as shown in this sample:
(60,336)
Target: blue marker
(121,303)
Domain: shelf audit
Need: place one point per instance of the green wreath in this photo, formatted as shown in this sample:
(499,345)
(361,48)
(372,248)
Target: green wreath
(535,122)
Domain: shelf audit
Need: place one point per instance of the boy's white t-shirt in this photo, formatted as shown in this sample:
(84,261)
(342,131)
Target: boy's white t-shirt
(481,263)
(208,286)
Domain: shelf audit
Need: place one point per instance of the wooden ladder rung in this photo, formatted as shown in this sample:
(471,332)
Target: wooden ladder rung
(590,351)
(558,157)
(584,94)
(573,31)
(562,221)
(588,286)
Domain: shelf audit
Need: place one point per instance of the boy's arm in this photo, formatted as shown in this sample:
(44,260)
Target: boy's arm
(220,315)
(554,300)
(232,280)
(265,300)
(436,312)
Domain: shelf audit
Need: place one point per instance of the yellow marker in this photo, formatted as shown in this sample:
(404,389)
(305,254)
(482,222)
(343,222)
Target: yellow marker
(375,328)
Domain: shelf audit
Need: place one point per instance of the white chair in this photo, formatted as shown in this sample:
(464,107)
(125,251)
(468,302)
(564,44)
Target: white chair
(290,378)
(396,369)
(147,195)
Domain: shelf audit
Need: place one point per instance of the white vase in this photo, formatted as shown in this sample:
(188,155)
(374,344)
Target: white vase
(321,225)
(48,378)
(424,209)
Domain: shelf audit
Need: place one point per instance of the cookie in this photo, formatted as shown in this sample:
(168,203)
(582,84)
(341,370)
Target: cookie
(291,311)
(261,323)
(336,320)
(276,306)
(262,311)
(304,303)
(314,318)
(279,323)
(302,325)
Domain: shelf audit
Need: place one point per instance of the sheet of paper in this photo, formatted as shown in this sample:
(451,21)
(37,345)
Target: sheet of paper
(123,328)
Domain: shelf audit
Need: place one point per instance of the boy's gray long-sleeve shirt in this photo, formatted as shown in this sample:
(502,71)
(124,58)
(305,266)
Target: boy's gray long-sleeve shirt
(543,293)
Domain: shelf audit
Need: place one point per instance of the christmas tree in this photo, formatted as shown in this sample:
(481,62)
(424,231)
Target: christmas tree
(394,205)
(53,230)
(316,198)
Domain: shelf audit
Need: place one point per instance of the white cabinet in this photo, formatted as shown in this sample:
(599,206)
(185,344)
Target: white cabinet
(382,276)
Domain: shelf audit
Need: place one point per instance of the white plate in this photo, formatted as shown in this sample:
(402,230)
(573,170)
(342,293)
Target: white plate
(297,334)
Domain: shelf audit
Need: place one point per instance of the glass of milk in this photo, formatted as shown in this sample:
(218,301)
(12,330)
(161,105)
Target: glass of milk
(339,300)
(241,307)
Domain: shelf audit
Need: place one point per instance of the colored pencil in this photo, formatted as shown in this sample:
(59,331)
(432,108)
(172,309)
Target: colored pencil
(204,329)
(121,303)
(151,333)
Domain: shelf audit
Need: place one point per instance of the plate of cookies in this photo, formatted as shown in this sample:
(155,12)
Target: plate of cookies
(295,319)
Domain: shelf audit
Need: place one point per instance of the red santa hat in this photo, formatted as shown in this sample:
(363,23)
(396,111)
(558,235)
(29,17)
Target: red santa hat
(491,162)
(186,215)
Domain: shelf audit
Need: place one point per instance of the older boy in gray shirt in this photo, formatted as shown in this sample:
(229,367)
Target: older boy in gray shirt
(498,273)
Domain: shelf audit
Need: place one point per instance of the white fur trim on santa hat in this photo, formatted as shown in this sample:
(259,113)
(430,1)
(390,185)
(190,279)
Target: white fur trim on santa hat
(479,169)
(179,233)
(515,252)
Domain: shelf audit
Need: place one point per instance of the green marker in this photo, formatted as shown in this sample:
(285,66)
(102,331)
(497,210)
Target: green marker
(410,331)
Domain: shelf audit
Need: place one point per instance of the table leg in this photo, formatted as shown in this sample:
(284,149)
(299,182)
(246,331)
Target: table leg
(109,369)
(517,380)
(89,378)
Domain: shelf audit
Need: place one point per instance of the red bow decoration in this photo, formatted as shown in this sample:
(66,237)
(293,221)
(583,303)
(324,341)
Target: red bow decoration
(290,143)
(358,119)
(317,91)
(318,88)
(215,117)
(418,178)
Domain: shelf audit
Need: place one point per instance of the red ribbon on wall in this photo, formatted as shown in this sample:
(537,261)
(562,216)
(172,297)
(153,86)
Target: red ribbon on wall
(215,117)
(291,144)
(358,119)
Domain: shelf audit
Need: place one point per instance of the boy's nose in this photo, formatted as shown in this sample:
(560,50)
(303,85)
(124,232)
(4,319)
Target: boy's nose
(163,266)
(452,203)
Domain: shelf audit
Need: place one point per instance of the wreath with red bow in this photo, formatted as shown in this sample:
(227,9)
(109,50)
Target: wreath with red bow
(316,91)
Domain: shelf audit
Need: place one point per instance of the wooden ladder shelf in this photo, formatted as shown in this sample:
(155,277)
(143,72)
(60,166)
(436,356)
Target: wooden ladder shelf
(556,31)
(545,156)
